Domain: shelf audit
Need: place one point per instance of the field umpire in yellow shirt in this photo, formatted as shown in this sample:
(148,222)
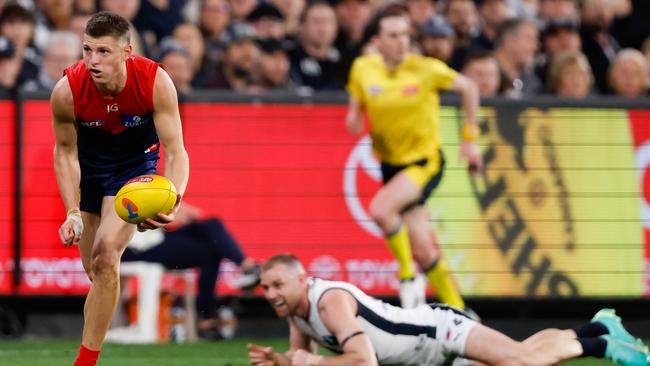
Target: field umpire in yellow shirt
(399,92)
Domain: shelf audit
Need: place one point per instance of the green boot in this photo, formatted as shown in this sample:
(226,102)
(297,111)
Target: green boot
(612,322)
(626,354)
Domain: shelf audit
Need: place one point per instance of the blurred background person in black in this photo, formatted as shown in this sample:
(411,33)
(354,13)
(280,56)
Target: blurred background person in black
(315,62)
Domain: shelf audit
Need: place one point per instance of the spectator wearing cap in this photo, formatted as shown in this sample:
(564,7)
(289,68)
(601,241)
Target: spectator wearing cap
(570,75)
(267,21)
(628,75)
(598,44)
(492,13)
(238,66)
(420,11)
(463,18)
(483,68)
(315,62)
(17,24)
(178,64)
(63,50)
(273,68)
(517,44)
(437,39)
(558,36)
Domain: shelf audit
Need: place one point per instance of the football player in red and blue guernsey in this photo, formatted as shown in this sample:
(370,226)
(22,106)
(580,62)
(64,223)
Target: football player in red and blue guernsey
(109,112)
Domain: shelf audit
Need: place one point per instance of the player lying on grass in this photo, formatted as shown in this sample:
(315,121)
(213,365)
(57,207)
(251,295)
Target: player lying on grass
(365,331)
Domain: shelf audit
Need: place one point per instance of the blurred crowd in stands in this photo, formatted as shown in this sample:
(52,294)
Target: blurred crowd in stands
(513,48)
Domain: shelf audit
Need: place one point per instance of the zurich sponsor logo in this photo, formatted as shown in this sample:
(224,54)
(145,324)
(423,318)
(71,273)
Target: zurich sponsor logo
(133,121)
(97,123)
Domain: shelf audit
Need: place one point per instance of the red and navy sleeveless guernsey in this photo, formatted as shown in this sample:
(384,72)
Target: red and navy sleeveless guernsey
(115,134)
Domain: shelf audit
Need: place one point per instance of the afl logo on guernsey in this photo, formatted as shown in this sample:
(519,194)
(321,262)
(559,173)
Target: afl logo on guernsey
(374,90)
(97,123)
(131,208)
(143,179)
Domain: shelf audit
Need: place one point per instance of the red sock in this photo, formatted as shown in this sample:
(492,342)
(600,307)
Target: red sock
(86,357)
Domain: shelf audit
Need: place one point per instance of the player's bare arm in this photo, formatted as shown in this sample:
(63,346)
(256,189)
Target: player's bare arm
(470,132)
(337,309)
(266,356)
(168,127)
(354,117)
(66,161)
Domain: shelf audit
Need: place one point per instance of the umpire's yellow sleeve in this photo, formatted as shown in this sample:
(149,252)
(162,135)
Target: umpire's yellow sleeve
(354,87)
(442,75)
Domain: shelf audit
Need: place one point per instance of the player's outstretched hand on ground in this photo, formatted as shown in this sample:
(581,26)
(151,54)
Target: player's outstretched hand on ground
(260,355)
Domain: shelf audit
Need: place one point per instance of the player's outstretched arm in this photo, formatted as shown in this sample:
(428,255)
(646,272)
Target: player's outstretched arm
(470,133)
(337,309)
(66,160)
(168,127)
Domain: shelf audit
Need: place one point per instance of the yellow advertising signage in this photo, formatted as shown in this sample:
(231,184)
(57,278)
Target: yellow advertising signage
(556,211)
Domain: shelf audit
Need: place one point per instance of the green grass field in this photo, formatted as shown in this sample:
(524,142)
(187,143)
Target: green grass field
(232,353)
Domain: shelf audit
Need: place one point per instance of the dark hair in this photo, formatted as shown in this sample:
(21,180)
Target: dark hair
(389,11)
(13,12)
(106,23)
(476,55)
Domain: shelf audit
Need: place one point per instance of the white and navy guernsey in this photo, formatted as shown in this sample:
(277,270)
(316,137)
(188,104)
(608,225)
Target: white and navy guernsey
(427,335)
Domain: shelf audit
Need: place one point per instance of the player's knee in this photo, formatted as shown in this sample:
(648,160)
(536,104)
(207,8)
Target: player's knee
(380,214)
(104,266)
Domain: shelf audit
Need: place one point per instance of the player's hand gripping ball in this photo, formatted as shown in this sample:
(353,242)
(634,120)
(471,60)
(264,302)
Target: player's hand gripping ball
(144,197)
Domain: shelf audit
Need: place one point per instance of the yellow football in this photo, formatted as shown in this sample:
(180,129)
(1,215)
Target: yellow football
(144,197)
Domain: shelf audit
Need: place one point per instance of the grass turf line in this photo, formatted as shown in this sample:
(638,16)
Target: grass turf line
(231,353)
